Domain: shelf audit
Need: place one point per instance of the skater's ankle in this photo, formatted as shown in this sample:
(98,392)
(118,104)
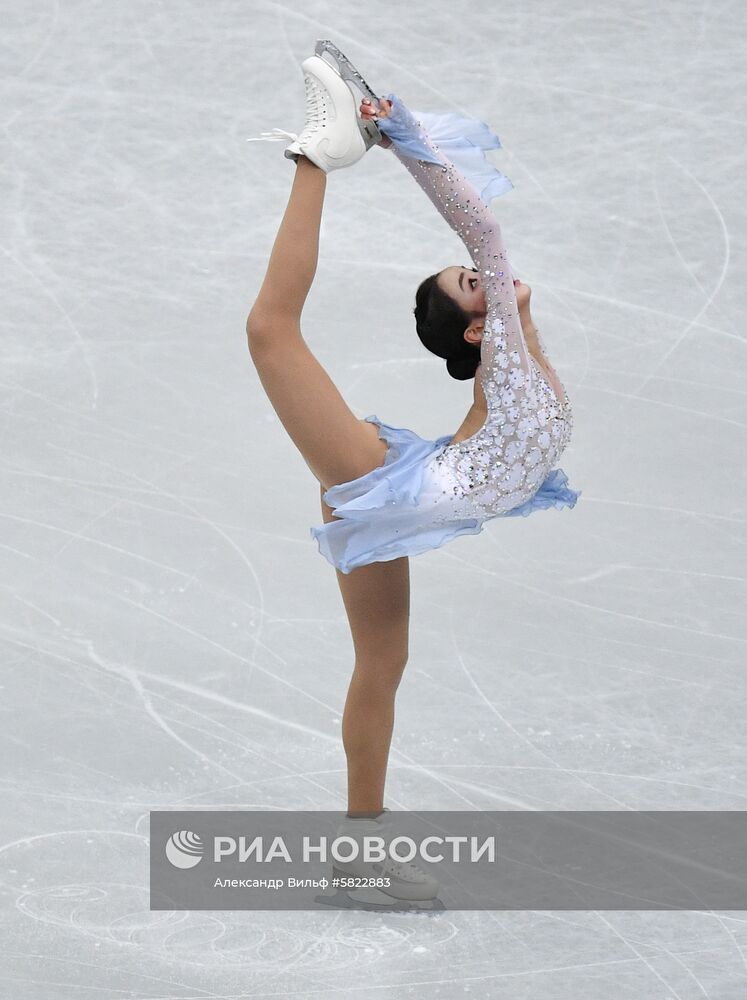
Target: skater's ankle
(364,815)
(304,163)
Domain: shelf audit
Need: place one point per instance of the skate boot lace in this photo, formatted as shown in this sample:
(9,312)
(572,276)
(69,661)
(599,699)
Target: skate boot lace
(316,108)
(316,116)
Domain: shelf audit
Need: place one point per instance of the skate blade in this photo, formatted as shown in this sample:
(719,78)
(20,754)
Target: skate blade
(369,130)
(377,901)
(344,67)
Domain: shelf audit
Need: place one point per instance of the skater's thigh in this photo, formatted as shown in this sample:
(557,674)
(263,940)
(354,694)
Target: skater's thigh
(335,444)
(377,604)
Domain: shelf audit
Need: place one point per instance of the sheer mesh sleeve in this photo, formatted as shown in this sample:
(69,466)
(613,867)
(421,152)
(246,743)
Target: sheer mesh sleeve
(503,347)
(526,427)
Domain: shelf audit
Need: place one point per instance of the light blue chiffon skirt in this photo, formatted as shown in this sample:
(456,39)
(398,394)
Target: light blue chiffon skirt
(391,511)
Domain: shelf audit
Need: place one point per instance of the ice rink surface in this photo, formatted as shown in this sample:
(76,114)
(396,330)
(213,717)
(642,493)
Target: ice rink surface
(172,639)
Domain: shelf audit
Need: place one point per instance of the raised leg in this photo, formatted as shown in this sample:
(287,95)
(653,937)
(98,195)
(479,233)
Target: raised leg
(336,445)
(377,604)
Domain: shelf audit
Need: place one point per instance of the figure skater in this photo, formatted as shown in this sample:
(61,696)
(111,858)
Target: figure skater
(386,493)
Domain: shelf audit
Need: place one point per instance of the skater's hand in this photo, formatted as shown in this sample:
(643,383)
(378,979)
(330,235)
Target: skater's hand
(370,111)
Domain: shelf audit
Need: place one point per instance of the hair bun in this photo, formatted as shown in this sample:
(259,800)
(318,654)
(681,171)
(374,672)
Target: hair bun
(462,368)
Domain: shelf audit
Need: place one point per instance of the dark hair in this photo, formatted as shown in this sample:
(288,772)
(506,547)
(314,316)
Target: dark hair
(440,323)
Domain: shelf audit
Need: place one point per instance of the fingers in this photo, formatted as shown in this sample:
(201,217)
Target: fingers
(369,110)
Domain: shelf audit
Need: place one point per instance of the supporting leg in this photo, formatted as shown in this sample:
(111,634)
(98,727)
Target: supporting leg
(377,604)
(367,726)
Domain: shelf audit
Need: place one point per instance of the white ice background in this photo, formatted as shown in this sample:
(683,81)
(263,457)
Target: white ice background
(172,637)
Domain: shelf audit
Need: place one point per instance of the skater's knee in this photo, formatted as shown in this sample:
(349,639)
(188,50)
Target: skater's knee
(258,325)
(380,672)
(271,333)
(265,323)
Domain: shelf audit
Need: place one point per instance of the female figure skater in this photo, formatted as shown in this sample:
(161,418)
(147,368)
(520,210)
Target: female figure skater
(387,493)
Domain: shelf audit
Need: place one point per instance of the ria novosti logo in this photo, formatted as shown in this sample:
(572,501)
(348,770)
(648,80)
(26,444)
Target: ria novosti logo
(184,849)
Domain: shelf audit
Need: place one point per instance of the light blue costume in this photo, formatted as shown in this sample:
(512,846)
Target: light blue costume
(428,492)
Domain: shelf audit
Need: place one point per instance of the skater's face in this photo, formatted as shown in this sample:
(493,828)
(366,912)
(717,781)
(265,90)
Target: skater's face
(464,285)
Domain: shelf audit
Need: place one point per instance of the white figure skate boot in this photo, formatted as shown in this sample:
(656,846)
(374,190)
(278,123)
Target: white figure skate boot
(408,888)
(333,136)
